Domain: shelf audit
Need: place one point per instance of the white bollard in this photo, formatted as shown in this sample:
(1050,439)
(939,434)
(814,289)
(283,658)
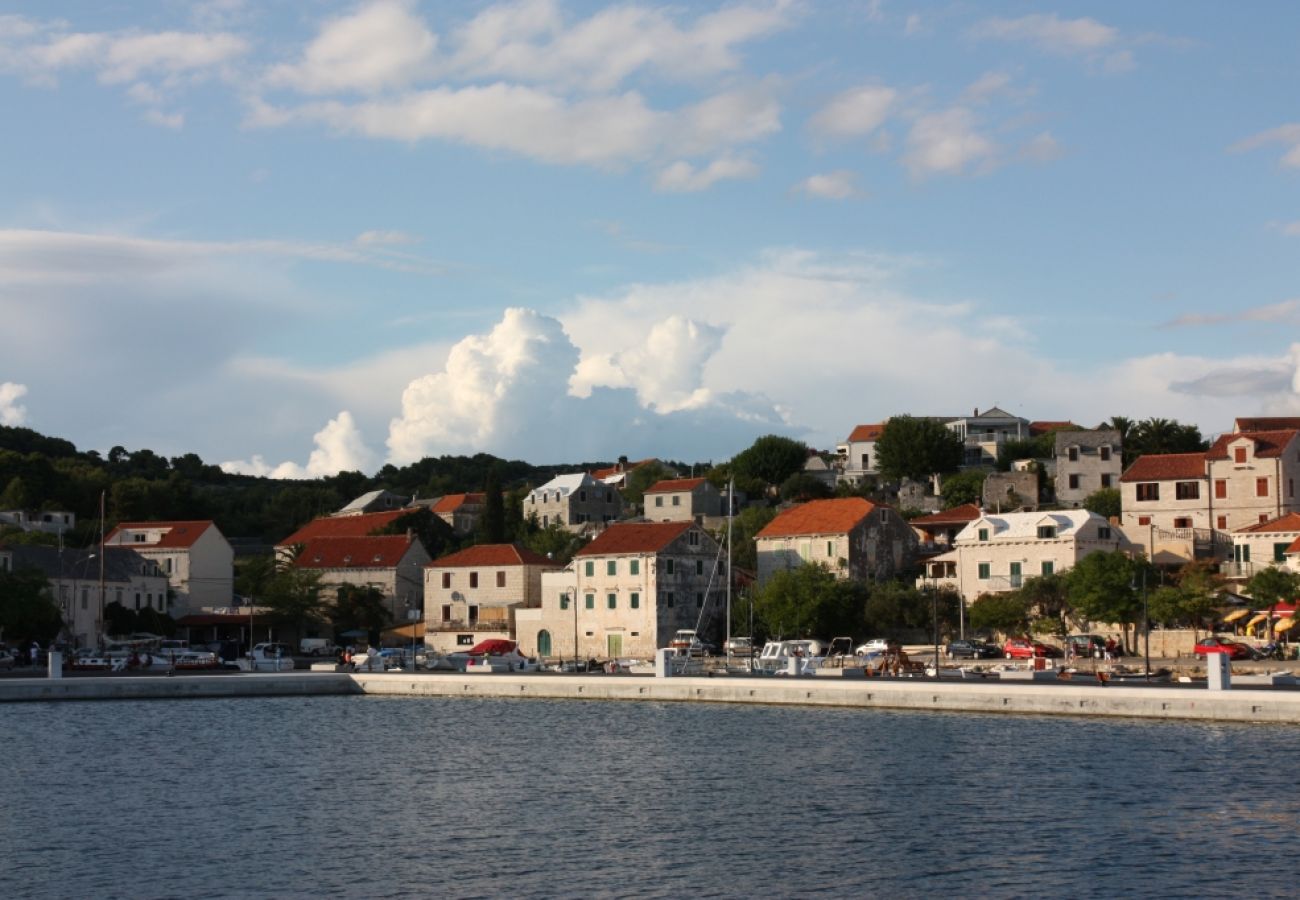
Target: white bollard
(55,661)
(663,662)
(1219,671)
(792,665)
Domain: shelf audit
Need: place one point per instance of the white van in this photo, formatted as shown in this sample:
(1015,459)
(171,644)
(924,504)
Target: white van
(316,647)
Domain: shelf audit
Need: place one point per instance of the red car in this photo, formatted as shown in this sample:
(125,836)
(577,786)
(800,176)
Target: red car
(1234,649)
(1024,648)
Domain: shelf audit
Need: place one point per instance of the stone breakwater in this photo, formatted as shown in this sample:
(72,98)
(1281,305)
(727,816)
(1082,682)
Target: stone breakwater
(1154,702)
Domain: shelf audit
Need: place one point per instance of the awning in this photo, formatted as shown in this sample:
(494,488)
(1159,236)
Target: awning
(1259,617)
(1236,615)
(1284,624)
(412,632)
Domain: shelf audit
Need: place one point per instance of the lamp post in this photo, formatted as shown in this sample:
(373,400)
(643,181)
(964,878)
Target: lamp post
(934,604)
(1146,622)
(575,628)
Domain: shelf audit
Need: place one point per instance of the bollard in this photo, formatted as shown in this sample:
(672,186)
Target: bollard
(1218,671)
(792,665)
(55,663)
(663,662)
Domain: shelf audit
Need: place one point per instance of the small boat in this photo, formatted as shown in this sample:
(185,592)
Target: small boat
(267,657)
(497,655)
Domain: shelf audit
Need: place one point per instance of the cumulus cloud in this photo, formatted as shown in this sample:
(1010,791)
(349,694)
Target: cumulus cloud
(1050,32)
(858,111)
(667,369)
(1285,311)
(1041,148)
(1287,135)
(838,185)
(11,412)
(339,448)
(682,177)
(947,143)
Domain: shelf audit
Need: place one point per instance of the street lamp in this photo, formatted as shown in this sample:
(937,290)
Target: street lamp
(575,629)
(1146,623)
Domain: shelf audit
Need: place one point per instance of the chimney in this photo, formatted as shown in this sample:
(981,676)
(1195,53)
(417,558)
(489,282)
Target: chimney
(622,463)
(975,411)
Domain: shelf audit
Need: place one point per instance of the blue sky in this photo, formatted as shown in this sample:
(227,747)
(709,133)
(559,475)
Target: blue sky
(296,238)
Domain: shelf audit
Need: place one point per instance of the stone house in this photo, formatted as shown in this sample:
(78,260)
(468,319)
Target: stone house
(856,457)
(374,501)
(984,433)
(460,511)
(1264,544)
(391,564)
(996,553)
(1017,489)
(1086,462)
(1252,477)
(616,475)
(48,521)
(852,537)
(627,592)
(359,525)
(195,556)
(940,529)
(682,500)
(476,593)
(577,502)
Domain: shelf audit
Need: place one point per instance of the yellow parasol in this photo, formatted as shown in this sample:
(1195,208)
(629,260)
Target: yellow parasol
(1236,615)
(1284,624)
(1259,617)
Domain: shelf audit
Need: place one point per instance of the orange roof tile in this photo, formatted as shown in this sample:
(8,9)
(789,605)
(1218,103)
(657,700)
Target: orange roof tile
(343,526)
(453,502)
(635,537)
(493,555)
(1268,444)
(1295,546)
(1037,428)
(1289,522)
(1265,423)
(967,512)
(1166,467)
(675,484)
(819,517)
(383,552)
(600,474)
(867,432)
(178,535)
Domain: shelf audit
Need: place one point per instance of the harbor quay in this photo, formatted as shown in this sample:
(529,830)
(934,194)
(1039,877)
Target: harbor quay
(1029,697)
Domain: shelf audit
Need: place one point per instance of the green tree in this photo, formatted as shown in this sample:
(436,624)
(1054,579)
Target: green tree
(770,460)
(434,534)
(15,495)
(360,608)
(643,476)
(964,487)
(118,620)
(1271,586)
(1007,613)
(294,597)
(27,611)
(1047,599)
(492,524)
(801,486)
(810,602)
(254,574)
(915,448)
(744,526)
(1104,587)
(1104,502)
(553,541)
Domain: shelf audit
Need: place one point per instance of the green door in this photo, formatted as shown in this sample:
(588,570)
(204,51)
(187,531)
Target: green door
(543,643)
(1015,574)
(614,643)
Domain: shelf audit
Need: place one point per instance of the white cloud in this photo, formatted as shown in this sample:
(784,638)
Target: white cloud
(386,238)
(1042,148)
(1050,32)
(947,143)
(839,185)
(856,112)
(382,45)
(11,412)
(1290,229)
(339,448)
(667,369)
(682,177)
(1287,135)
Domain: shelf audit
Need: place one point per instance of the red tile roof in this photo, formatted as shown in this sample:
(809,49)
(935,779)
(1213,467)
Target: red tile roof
(1166,467)
(819,517)
(1264,423)
(675,484)
(1268,444)
(343,526)
(1037,428)
(967,512)
(382,552)
(600,474)
(453,502)
(1295,546)
(635,537)
(1289,522)
(178,535)
(867,432)
(493,555)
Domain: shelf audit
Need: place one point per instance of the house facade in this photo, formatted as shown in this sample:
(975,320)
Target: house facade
(358,525)
(195,556)
(391,564)
(576,502)
(47,521)
(627,592)
(852,537)
(682,500)
(476,593)
(374,501)
(1252,478)
(460,511)
(984,433)
(996,553)
(856,457)
(1086,462)
(1256,547)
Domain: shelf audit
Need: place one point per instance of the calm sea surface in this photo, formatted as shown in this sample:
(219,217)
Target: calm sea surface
(383,797)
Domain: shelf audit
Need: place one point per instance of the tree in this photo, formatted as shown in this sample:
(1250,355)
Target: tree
(1104,587)
(1104,502)
(15,495)
(435,534)
(294,597)
(360,608)
(801,486)
(554,541)
(808,602)
(1047,600)
(1007,613)
(744,527)
(492,524)
(770,460)
(27,611)
(915,448)
(254,574)
(643,476)
(964,487)
(1271,586)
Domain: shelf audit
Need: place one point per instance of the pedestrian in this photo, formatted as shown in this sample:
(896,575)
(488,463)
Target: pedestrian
(35,653)
(1110,649)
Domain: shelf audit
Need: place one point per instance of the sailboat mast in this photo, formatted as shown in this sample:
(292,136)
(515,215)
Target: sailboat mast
(731,505)
(101,568)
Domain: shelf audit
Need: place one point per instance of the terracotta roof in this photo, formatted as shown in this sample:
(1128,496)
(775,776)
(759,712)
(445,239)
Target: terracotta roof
(599,474)
(1268,444)
(675,484)
(819,517)
(383,552)
(453,502)
(343,526)
(178,534)
(493,555)
(1037,428)
(867,432)
(967,512)
(635,537)
(1295,546)
(1265,423)
(1289,522)
(1166,467)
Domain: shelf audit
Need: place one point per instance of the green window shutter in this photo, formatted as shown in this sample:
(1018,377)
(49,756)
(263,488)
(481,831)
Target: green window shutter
(635,600)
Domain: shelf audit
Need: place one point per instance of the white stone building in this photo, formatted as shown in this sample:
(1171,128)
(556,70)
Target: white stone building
(195,556)
(852,537)
(391,564)
(577,502)
(476,593)
(682,500)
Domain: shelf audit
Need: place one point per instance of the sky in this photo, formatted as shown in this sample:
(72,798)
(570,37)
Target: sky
(299,238)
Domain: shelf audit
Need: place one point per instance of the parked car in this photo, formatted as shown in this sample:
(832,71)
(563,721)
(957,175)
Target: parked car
(971,649)
(317,647)
(876,645)
(1024,648)
(1086,645)
(7,660)
(740,646)
(1213,644)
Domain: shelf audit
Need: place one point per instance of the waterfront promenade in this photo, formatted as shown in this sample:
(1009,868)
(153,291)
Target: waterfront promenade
(1170,702)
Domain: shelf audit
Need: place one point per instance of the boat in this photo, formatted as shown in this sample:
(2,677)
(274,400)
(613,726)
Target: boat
(777,657)
(497,655)
(267,657)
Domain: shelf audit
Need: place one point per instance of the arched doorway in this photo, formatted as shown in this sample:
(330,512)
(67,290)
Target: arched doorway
(543,643)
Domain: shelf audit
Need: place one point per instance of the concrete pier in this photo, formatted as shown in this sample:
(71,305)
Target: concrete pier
(1024,698)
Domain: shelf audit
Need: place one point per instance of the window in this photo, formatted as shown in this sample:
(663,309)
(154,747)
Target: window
(1279,551)
(446,580)
(866,460)
(446,612)
(501,579)
(1073,454)
(1183,522)
(634,600)
(589,568)
(1290,487)
(699,600)
(659,501)
(1105,481)
(1046,532)
(983,534)
(1261,487)
(1242,552)
(1222,523)
(1144,520)
(677,500)
(634,566)
(1187,490)
(1046,567)
(1148,492)
(983,571)
(1015,575)
(669,566)
(564,602)
(591,601)
(168,561)
(611,600)
(582,496)
(473,615)
(611,567)
(1103,533)
(1239,455)
(1074,482)
(693,538)
(1104,452)
(85,598)
(699,567)
(830,548)
(473,579)
(1220,489)
(668,599)
(1263,517)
